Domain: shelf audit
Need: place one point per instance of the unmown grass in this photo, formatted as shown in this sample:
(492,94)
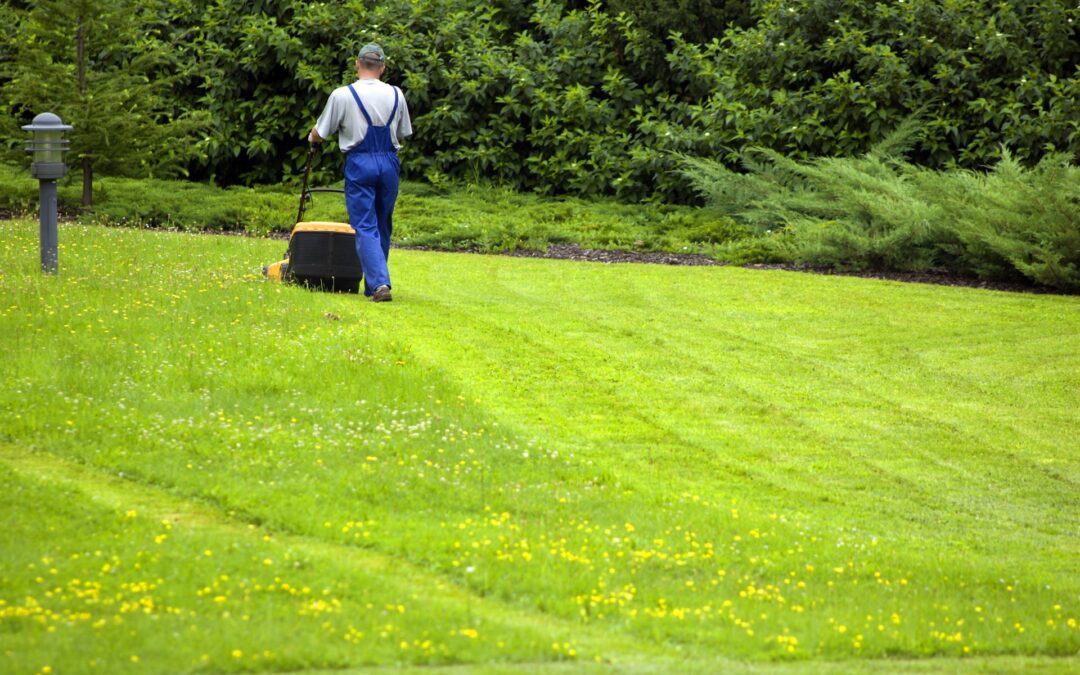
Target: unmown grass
(122,590)
(704,463)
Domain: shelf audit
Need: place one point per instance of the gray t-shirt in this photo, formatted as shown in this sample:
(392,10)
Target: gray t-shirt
(342,116)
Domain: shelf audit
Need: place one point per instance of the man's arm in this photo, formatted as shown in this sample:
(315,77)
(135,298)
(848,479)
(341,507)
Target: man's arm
(404,125)
(328,121)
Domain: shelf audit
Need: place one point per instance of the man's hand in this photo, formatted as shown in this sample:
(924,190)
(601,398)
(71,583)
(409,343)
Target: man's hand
(313,136)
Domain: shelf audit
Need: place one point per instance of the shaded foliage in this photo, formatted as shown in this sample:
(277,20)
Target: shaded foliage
(597,98)
(100,67)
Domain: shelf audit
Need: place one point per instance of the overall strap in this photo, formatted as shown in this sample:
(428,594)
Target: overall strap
(394,110)
(360,103)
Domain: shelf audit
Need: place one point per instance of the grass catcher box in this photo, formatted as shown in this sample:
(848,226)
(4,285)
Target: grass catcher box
(320,255)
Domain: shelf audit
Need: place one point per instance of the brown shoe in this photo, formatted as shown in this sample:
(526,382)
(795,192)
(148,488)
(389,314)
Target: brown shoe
(381,294)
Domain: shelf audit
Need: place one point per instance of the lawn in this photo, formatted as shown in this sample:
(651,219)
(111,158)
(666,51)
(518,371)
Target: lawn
(527,463)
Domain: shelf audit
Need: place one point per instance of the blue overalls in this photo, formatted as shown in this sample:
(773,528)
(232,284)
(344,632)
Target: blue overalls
(371,188)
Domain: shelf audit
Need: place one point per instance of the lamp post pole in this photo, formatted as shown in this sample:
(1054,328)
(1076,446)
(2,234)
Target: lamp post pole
(48,147)
(50,246)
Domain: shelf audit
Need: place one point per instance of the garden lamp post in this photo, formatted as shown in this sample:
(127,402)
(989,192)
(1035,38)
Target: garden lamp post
(48,145)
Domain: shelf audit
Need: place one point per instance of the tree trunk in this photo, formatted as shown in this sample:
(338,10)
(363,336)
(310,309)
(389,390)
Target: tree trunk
(80,54)
(87,182)
(87,163)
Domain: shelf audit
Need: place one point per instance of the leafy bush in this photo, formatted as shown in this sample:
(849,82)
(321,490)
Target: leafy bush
(570,97)
(595,98)
(829,78)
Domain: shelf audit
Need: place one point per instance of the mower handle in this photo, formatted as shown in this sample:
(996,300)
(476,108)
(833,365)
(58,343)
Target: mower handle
(304,190)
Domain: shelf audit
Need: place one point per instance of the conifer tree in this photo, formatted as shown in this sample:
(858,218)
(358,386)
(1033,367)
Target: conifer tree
(101,67)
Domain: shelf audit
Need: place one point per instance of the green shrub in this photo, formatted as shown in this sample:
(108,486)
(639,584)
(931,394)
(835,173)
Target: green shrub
(712,229)
(593,98)
(18,191)
(828,78)
(1016,220)
(474,217)
(173,204)
(768,248)
(881,213)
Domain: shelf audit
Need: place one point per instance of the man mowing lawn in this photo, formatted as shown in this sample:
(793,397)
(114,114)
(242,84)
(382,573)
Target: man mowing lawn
(369,117)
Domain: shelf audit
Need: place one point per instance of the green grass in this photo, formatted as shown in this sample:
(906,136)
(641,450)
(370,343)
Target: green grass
(177,589)
(650,467)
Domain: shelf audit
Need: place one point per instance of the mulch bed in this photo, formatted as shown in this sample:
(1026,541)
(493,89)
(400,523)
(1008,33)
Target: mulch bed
(937,278)
(572,252)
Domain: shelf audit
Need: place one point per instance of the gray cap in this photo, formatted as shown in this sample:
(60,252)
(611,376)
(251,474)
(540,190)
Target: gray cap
(371,52)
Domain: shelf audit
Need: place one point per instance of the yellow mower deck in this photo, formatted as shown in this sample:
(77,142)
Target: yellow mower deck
(320,254)
(279,271)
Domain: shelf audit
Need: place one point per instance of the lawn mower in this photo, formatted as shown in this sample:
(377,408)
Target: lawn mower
(320,255)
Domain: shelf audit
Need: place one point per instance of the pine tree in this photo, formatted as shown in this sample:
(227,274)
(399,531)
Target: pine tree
(101,66)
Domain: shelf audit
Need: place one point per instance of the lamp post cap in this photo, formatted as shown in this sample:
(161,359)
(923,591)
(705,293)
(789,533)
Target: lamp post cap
(47,121)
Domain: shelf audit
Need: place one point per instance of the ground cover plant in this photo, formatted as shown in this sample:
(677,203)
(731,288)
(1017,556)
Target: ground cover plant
(451,217)
(527,461)
(873,213)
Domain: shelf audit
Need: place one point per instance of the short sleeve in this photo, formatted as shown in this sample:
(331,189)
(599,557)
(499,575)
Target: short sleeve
(404,125)
(330,120)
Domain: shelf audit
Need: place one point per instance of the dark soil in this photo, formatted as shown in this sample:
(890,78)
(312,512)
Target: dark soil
(8,214)
(940,278)
(573,252)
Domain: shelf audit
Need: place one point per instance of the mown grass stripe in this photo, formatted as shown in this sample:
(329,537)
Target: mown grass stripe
(124,494)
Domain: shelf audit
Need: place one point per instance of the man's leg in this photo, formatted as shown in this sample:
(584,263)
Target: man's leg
(360,203)
(385,198)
